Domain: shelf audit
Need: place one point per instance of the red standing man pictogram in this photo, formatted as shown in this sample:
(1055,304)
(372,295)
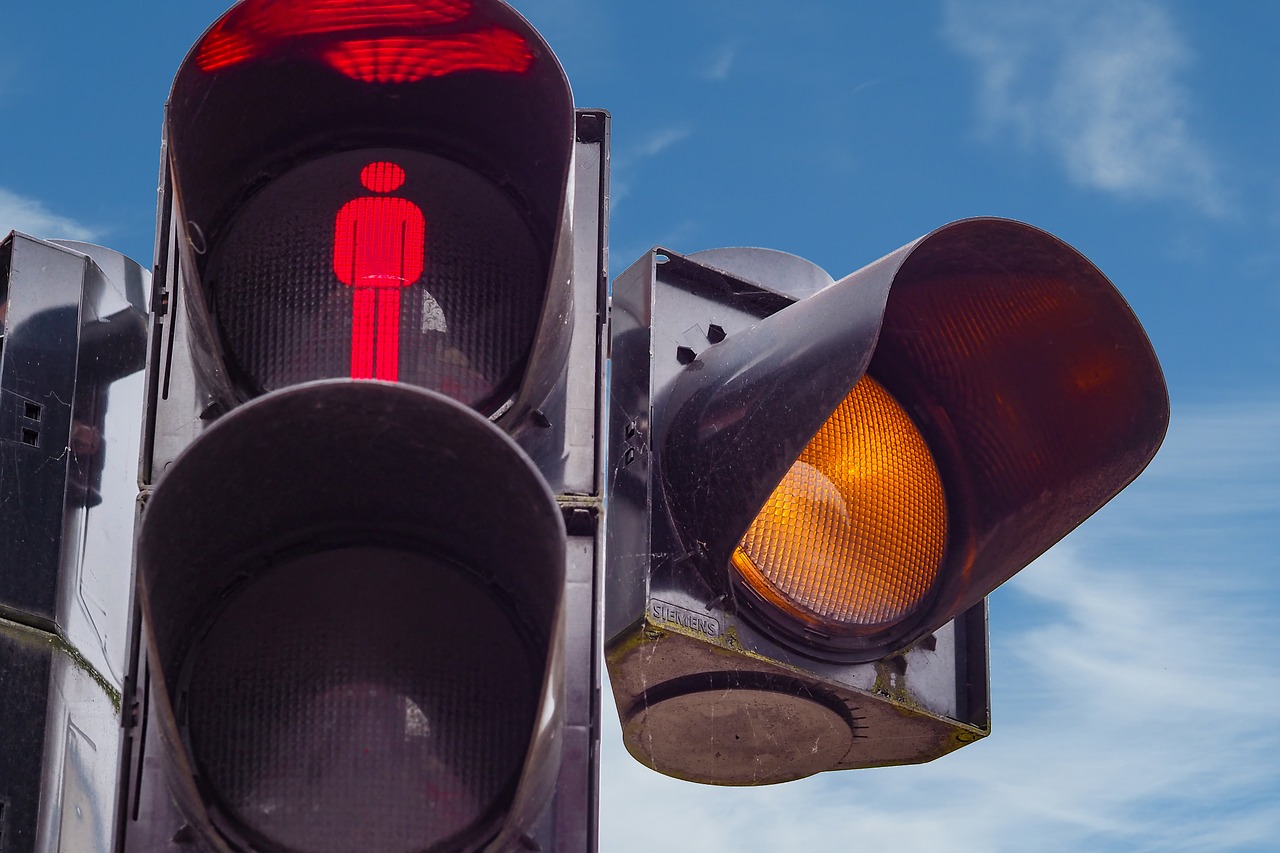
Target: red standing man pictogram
(379,246)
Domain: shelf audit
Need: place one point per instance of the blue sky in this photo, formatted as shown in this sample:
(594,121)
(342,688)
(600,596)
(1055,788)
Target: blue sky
(1133,690)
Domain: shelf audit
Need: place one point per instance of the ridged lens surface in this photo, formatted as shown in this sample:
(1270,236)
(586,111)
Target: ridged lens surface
(852,538)
(379,264)
(361,699)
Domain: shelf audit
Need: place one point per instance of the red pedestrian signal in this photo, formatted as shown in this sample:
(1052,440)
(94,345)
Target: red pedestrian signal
(378,248)
(439,282)
(812,495)
(373,386)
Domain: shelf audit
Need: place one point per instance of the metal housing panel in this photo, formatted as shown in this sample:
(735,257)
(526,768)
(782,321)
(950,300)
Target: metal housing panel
(71,374)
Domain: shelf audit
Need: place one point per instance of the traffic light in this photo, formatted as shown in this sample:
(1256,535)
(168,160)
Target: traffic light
(815,484)
(73,344)
(366,554)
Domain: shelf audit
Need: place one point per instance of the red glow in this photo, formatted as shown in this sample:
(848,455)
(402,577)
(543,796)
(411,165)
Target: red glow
(405,60)
(223,46)
(254,27)
(379,246)
(382,177)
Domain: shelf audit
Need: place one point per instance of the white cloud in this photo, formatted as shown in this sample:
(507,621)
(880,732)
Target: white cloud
(661,140)
(30,216)
(1224,455)
(1134,694)
(722,63)
(628,156)
(1097,82)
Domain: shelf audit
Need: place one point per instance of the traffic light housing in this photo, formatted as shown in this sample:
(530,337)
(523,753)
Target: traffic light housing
(366,555)
(290,116)
(815,484)
(73,344)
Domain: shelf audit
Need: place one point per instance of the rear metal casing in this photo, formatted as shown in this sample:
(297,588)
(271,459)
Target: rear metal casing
(704,694)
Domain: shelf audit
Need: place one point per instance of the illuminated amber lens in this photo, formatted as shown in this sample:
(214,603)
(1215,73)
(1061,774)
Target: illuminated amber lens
(852,537)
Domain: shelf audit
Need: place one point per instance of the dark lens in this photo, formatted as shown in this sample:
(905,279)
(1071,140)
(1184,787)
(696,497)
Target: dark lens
(342,702)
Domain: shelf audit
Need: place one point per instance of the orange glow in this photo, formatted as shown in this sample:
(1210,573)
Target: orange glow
(852,538)
(1094,374)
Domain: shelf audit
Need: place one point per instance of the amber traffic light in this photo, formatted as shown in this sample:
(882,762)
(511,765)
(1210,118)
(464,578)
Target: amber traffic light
(851,539)
(812,495)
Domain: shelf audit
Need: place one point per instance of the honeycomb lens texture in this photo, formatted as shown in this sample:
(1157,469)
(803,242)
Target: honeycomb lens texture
(852,538)
(361,699)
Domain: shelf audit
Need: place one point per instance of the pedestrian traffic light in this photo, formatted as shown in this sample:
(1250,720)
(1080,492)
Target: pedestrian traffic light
(366,551)
(815,484)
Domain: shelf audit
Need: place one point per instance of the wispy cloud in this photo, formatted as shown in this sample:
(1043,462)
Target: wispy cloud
(629,156)
(721,63)
(1227,471)
(1097,82)
(660,140)
(30,216)
(1134,693)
